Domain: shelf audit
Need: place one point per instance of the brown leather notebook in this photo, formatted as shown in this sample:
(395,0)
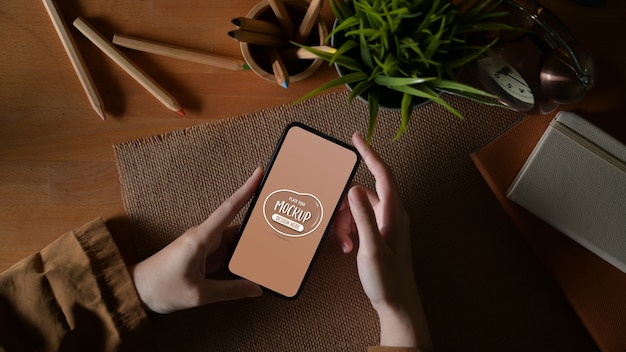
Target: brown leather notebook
(595,289)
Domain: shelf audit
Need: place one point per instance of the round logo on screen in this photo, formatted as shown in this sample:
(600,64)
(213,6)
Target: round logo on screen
(291,213)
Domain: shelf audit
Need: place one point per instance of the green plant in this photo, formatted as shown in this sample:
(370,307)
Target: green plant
(414,47)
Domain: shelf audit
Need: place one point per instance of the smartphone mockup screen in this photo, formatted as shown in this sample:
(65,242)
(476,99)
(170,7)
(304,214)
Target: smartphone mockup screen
(289,216)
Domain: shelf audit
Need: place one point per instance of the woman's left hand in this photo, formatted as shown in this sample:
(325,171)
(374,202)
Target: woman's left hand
(176,277)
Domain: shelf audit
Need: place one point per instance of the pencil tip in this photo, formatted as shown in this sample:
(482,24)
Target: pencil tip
(285,84)
(246,66)
(231,34)
(180,112)
(103,117)
(236,21)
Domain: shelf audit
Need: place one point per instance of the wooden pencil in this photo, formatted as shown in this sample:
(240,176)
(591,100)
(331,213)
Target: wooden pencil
(255,25)
(75,58)
(135,72)
(283,16)
(309,20)
(279,69)
(258,38)
(179,52)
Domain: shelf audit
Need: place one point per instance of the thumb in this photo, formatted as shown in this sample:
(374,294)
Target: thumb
(228,290)
(363,214)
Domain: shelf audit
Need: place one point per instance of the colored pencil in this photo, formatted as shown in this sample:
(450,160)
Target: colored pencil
(179,52)
(301,53)
(283,16)
(75,58)
(280,71)
(258,38)
(260,26)
(309,20)
(135,72)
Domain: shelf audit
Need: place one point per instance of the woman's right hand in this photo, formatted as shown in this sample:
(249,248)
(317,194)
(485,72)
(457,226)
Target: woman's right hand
(384,253)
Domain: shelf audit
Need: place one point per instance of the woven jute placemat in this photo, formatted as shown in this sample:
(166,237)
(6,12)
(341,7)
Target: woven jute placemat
(474,276)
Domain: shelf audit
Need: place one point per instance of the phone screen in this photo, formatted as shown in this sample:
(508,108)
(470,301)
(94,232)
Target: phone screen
(293,209)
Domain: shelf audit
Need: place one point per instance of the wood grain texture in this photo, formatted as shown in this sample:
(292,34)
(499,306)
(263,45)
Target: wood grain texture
(57,167)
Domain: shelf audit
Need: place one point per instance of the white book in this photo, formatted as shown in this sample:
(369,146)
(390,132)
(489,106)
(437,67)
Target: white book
(575,180)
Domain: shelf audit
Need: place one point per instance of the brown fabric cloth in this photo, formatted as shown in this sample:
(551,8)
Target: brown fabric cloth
(74,295)
(595,288)
(481,287)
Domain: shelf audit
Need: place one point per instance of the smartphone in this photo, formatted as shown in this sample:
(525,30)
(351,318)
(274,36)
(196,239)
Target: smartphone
(291,212)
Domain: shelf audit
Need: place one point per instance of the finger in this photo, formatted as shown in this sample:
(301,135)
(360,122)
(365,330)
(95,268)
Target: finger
(371,196)
(228,290)
(226,212)
(363,214)
(385,184)
(344,202)
(342,227)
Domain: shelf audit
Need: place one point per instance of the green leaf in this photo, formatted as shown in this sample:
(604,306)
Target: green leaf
(343,26)
(479,98)
(401,81)
(347,79)
(425,92)
(406,108)
(484,27)
(341,9)
(434,41)
(338,58)
(372,103)
(459,87)
(365,53)
(359,89)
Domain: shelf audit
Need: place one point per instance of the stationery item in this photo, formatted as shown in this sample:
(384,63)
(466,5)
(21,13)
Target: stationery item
(594,288)
(301,53)
(575,180)
(256,25)
(179,52)
(309,20)
(75,58)
(135,72)
(258,38)
(279,69)
(283,16)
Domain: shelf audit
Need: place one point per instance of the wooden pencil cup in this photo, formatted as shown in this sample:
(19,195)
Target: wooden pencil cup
(258,57)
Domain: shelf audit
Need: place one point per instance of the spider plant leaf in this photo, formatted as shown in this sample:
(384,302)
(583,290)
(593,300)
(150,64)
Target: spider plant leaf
(435,40)
(372,103)
(425,92)
(347,79)
(359,89)
(406,108)
(338,58)
(343,26)
(365,53)
(475,54)
(371,33)
(341,9)
(460,87)
(346,47)
(479,98)
(484,27)
(471,9)
(401,81)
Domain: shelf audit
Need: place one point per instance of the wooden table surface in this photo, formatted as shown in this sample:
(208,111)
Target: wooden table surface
(57,167)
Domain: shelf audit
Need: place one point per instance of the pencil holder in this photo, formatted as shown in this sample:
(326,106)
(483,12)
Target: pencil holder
(259,57)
